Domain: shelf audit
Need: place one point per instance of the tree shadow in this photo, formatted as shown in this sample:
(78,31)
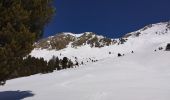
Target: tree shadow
(15,95)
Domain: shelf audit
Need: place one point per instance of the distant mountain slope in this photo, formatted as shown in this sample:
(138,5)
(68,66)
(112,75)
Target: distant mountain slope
(89,46)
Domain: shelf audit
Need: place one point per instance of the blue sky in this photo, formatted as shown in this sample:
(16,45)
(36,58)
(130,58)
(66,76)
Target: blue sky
(111,18)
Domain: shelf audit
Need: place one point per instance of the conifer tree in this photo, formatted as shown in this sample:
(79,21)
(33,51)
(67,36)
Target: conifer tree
(70,64)
(57,64)
(21,23)
(65,62)
(51,64)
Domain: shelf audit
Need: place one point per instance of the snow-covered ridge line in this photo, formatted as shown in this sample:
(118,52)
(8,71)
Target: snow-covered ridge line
(157,28)
(72,34)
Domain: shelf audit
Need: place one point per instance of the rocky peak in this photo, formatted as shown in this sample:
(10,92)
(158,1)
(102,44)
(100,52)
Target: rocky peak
(62,40)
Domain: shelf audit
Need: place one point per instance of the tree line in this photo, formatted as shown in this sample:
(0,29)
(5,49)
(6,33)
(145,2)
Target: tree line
(31,65)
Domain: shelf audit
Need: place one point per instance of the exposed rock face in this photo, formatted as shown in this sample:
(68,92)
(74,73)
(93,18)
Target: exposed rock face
(59,41)
(168,25)
(62,40)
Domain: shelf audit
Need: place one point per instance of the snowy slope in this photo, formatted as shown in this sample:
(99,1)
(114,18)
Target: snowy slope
(139,76)
(142,75)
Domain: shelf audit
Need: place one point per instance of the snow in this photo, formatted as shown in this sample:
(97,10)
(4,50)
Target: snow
(142,75)
(72,34)
(158,28)
(138,76)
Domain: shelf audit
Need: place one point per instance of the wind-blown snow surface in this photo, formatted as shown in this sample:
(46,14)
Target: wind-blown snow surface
(142,75)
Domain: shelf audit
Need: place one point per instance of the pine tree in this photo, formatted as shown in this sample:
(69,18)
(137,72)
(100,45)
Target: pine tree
(65,63)
(57,64)
(21,23)
(51,64)
(70,64)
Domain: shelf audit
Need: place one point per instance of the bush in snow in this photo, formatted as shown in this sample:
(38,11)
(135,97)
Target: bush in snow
(119,55)
(168,47)
(77,64)
(160,48)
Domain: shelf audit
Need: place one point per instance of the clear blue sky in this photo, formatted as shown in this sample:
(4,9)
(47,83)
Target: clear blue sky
(112,18)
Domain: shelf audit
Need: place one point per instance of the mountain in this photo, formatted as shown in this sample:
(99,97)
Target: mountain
(143,74)
(89,46)
(62,40)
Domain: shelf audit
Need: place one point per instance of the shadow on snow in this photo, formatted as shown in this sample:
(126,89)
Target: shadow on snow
(15,95)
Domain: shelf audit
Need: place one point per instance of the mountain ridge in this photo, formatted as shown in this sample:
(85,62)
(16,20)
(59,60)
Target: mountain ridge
(84,47)
(63,39)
